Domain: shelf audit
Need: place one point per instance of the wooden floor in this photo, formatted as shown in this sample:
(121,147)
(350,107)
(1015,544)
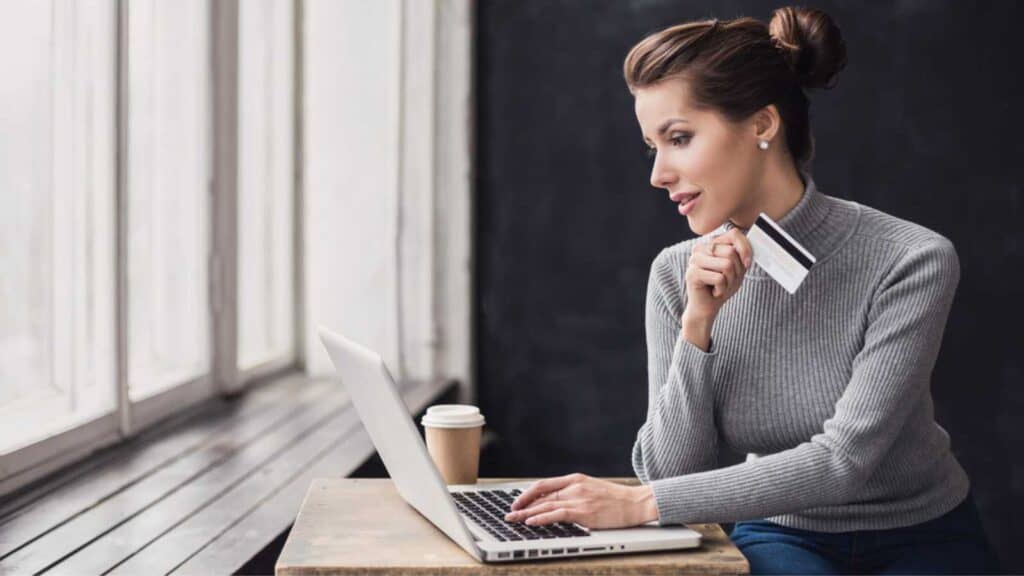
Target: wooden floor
(199,495)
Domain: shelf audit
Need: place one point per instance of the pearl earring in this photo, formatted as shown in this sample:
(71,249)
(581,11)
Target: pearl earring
(763,144)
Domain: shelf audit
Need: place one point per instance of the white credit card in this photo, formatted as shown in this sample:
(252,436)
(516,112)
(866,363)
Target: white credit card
(779,254)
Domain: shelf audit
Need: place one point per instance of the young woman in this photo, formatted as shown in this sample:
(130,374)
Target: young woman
(827,390)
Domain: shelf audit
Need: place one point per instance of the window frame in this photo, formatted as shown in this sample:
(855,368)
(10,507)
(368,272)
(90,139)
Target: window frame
(434,37)
(31,462)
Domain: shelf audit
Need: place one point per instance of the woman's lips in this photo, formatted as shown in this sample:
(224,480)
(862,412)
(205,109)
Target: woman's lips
(687,207)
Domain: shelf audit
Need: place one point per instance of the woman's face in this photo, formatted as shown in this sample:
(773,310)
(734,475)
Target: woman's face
(698,150)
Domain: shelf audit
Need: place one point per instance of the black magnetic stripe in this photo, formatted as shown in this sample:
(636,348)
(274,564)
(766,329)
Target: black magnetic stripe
(783,241)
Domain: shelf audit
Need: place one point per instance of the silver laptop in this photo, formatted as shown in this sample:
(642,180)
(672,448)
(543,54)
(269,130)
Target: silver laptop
(471,515)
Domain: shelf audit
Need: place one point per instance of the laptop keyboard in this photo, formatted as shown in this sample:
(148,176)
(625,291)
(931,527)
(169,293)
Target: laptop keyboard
(488,508)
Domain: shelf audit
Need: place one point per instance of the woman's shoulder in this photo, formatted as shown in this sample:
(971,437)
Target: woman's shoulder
(876,226)
(897,245)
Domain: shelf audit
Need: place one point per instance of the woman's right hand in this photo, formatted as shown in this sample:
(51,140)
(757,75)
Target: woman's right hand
(715,272)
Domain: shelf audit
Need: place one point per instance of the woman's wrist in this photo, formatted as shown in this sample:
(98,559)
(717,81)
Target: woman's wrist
(697,330)
(647,507)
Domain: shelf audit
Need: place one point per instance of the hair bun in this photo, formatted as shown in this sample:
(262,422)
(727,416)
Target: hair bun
(811,43)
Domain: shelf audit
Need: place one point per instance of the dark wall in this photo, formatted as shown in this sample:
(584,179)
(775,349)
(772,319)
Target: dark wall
(924,124)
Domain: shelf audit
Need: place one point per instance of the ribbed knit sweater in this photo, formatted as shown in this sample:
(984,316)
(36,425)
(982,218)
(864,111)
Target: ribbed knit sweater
(826,390)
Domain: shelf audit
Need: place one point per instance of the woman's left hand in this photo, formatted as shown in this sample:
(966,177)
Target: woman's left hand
(587,501)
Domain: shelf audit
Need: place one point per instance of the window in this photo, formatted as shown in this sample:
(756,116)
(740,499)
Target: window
(57,185)
(169,171)
(97,89)
(265,184)
(150,213)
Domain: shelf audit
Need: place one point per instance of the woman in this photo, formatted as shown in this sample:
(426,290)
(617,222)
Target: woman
(827,389)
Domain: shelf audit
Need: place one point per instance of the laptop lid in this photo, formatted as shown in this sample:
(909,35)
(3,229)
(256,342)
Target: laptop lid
(387,420)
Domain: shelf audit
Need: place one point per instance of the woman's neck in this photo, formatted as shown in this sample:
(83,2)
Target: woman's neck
(780,190)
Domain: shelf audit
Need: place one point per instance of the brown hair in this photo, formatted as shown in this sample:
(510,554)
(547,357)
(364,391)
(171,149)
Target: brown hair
(739,66)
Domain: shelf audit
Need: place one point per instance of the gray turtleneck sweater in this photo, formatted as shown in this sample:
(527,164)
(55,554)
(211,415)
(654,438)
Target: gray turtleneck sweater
(827,390)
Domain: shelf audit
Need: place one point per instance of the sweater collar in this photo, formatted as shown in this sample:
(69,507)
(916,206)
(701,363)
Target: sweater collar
(818,222)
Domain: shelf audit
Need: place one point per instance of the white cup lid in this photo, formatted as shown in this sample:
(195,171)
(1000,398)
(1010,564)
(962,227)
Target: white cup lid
(452,416)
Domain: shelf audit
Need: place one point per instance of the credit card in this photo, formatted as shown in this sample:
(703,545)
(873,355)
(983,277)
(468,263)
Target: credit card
(779,254)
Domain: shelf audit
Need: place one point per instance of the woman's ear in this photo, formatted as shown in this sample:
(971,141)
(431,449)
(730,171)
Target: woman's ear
(767,123)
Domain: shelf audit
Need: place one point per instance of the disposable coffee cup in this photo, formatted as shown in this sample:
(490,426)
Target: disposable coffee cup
(453,440)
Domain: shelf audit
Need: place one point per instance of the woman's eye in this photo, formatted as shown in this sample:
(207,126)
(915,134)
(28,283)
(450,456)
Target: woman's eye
(680,139)
(677,140)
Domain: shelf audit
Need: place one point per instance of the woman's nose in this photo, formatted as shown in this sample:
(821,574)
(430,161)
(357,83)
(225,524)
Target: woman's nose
(662,176)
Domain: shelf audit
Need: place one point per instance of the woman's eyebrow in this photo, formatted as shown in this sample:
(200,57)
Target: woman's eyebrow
(666,124)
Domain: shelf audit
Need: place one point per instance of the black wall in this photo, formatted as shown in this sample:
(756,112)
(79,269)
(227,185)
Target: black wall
(924,124)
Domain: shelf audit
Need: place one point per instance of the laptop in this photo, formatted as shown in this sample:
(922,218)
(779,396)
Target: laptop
(472,515)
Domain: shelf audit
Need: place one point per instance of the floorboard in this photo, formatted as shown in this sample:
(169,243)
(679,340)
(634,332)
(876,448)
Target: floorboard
(78,531)
(197,495)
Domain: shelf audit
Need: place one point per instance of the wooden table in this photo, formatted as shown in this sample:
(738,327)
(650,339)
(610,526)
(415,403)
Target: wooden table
(350,526)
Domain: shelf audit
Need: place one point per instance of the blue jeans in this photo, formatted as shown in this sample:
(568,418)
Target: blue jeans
(953,543)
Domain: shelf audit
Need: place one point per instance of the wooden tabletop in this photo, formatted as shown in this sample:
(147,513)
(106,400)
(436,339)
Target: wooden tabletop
(349,526)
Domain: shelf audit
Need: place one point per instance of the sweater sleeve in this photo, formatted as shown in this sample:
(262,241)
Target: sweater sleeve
(889,375)
(679,435)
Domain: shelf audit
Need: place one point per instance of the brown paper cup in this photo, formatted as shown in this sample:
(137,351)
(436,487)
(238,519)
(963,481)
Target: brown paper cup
(456,452)
(453,439)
